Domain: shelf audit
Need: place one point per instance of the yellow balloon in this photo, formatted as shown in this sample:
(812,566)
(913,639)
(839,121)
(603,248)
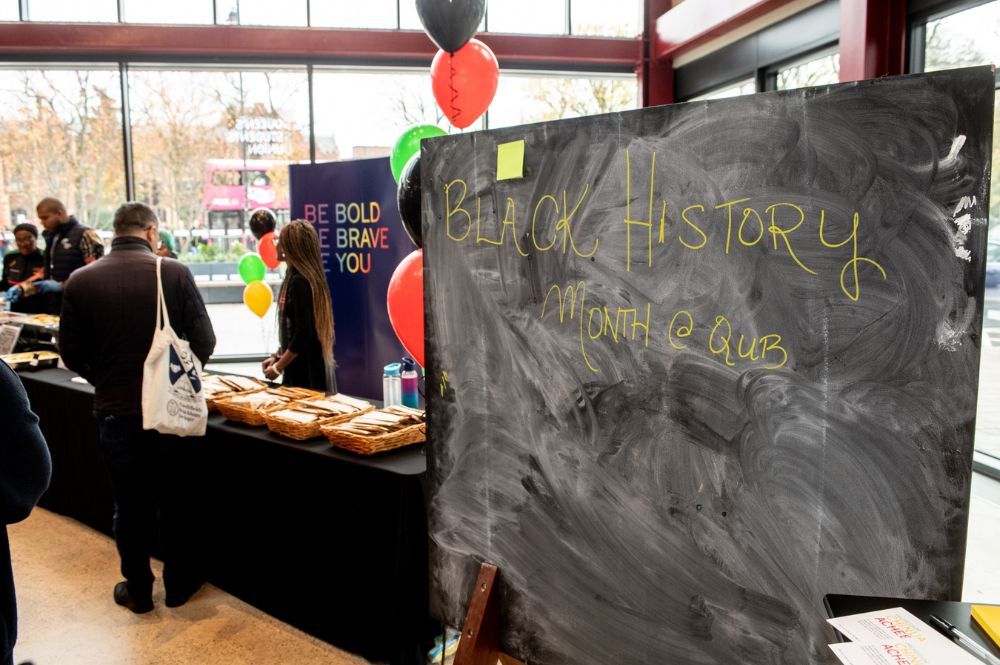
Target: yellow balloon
(257,296)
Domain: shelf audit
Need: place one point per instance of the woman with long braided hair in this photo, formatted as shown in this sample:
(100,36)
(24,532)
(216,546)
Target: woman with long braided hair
(305,314)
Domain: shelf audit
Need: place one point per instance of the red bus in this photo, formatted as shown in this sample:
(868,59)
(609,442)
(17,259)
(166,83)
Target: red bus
(235,186)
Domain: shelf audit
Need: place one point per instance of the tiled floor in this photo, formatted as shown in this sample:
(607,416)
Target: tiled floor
(64,575)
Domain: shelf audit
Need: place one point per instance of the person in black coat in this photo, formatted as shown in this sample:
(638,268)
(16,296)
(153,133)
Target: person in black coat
(69,245)
(105,332)
(305,314)
(21,268)
(25,470)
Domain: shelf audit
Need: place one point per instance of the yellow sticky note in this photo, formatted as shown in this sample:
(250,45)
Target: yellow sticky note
(510,160)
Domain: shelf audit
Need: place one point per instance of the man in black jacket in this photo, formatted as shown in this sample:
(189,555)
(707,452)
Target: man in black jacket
(25,468)
(69,245)
(105,331)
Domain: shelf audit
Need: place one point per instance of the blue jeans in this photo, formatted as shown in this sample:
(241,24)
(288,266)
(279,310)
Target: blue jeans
(151,484)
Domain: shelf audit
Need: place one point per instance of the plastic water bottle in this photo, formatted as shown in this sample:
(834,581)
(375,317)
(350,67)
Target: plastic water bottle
(391,385)
(411,397)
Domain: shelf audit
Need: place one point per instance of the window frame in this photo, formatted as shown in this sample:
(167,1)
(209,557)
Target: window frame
(920,13)
(812,31)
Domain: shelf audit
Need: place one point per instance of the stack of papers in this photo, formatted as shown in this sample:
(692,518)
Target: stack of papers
(895,637)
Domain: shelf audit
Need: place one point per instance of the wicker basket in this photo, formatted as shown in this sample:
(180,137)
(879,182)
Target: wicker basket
(252,408)
(220,386)
(302,420)
(378,431)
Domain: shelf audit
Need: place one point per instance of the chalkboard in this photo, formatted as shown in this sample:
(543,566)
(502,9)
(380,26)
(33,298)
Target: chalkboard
(693,367)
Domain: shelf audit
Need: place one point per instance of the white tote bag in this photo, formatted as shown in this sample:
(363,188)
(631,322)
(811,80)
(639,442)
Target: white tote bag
(172,400)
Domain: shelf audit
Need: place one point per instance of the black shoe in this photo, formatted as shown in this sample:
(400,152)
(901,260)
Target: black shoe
(125,599)
(177,598)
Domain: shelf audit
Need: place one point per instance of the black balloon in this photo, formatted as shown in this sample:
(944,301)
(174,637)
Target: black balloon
(408,200)
(451,23)
(262,222)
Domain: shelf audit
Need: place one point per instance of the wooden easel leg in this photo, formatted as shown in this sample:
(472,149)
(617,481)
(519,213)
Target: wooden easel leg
(480,643)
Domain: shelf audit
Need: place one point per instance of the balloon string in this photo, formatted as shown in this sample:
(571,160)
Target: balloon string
(455,111)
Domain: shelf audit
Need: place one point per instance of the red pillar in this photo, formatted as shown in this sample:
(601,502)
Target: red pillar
(872,38)
(656,76)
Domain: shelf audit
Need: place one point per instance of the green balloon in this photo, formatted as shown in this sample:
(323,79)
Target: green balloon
(408,145)
(252,268)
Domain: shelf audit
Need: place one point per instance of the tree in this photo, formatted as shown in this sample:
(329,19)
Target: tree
(64,139)
(570,97)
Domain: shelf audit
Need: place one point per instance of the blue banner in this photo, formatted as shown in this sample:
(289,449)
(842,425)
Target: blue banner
(352,204)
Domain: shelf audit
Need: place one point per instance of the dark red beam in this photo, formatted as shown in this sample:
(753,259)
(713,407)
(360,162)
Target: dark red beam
(313,44)
(872,39)
(656,75)
(695,22)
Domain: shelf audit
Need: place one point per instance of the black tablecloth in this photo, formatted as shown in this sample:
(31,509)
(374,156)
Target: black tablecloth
(328,541)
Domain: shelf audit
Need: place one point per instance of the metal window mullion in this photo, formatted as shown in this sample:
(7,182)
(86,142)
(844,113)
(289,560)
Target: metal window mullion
(121,11)
(568,15)
(22,10)
(918,48)
(312,116)
(126,132)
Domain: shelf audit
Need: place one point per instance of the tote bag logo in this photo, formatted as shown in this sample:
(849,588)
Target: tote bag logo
(181,366)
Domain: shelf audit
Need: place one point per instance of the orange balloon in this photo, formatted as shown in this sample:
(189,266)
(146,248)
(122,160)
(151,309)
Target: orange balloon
(268,249)
(464,83)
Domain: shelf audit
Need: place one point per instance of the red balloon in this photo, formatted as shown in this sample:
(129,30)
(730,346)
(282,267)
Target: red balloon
(465,83)
(267,247)
(405,301)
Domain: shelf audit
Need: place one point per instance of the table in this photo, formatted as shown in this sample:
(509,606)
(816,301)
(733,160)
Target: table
(328,541)
(959,614)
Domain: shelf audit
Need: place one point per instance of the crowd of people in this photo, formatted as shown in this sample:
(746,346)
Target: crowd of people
(107,306)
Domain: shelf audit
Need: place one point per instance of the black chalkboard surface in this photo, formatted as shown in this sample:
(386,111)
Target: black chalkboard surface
(702,364)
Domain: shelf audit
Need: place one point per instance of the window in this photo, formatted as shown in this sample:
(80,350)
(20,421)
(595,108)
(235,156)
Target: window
(216,141)
(408,18)
(550,17)
(610,19)
(822,70)
(524,98)
(9,10)
(354,14)
(745,87)
(175,11)
(963,39)
(208,147)
(61,136)
(92,11)
(361,113)
(537,17)
(799,51)
(261,12)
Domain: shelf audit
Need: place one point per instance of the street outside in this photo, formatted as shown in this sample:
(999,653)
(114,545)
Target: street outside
(238,331)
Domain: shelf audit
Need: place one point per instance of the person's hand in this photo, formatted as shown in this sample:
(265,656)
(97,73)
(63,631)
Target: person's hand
(271,372)
(48,286)
(270,360)
(13,294)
